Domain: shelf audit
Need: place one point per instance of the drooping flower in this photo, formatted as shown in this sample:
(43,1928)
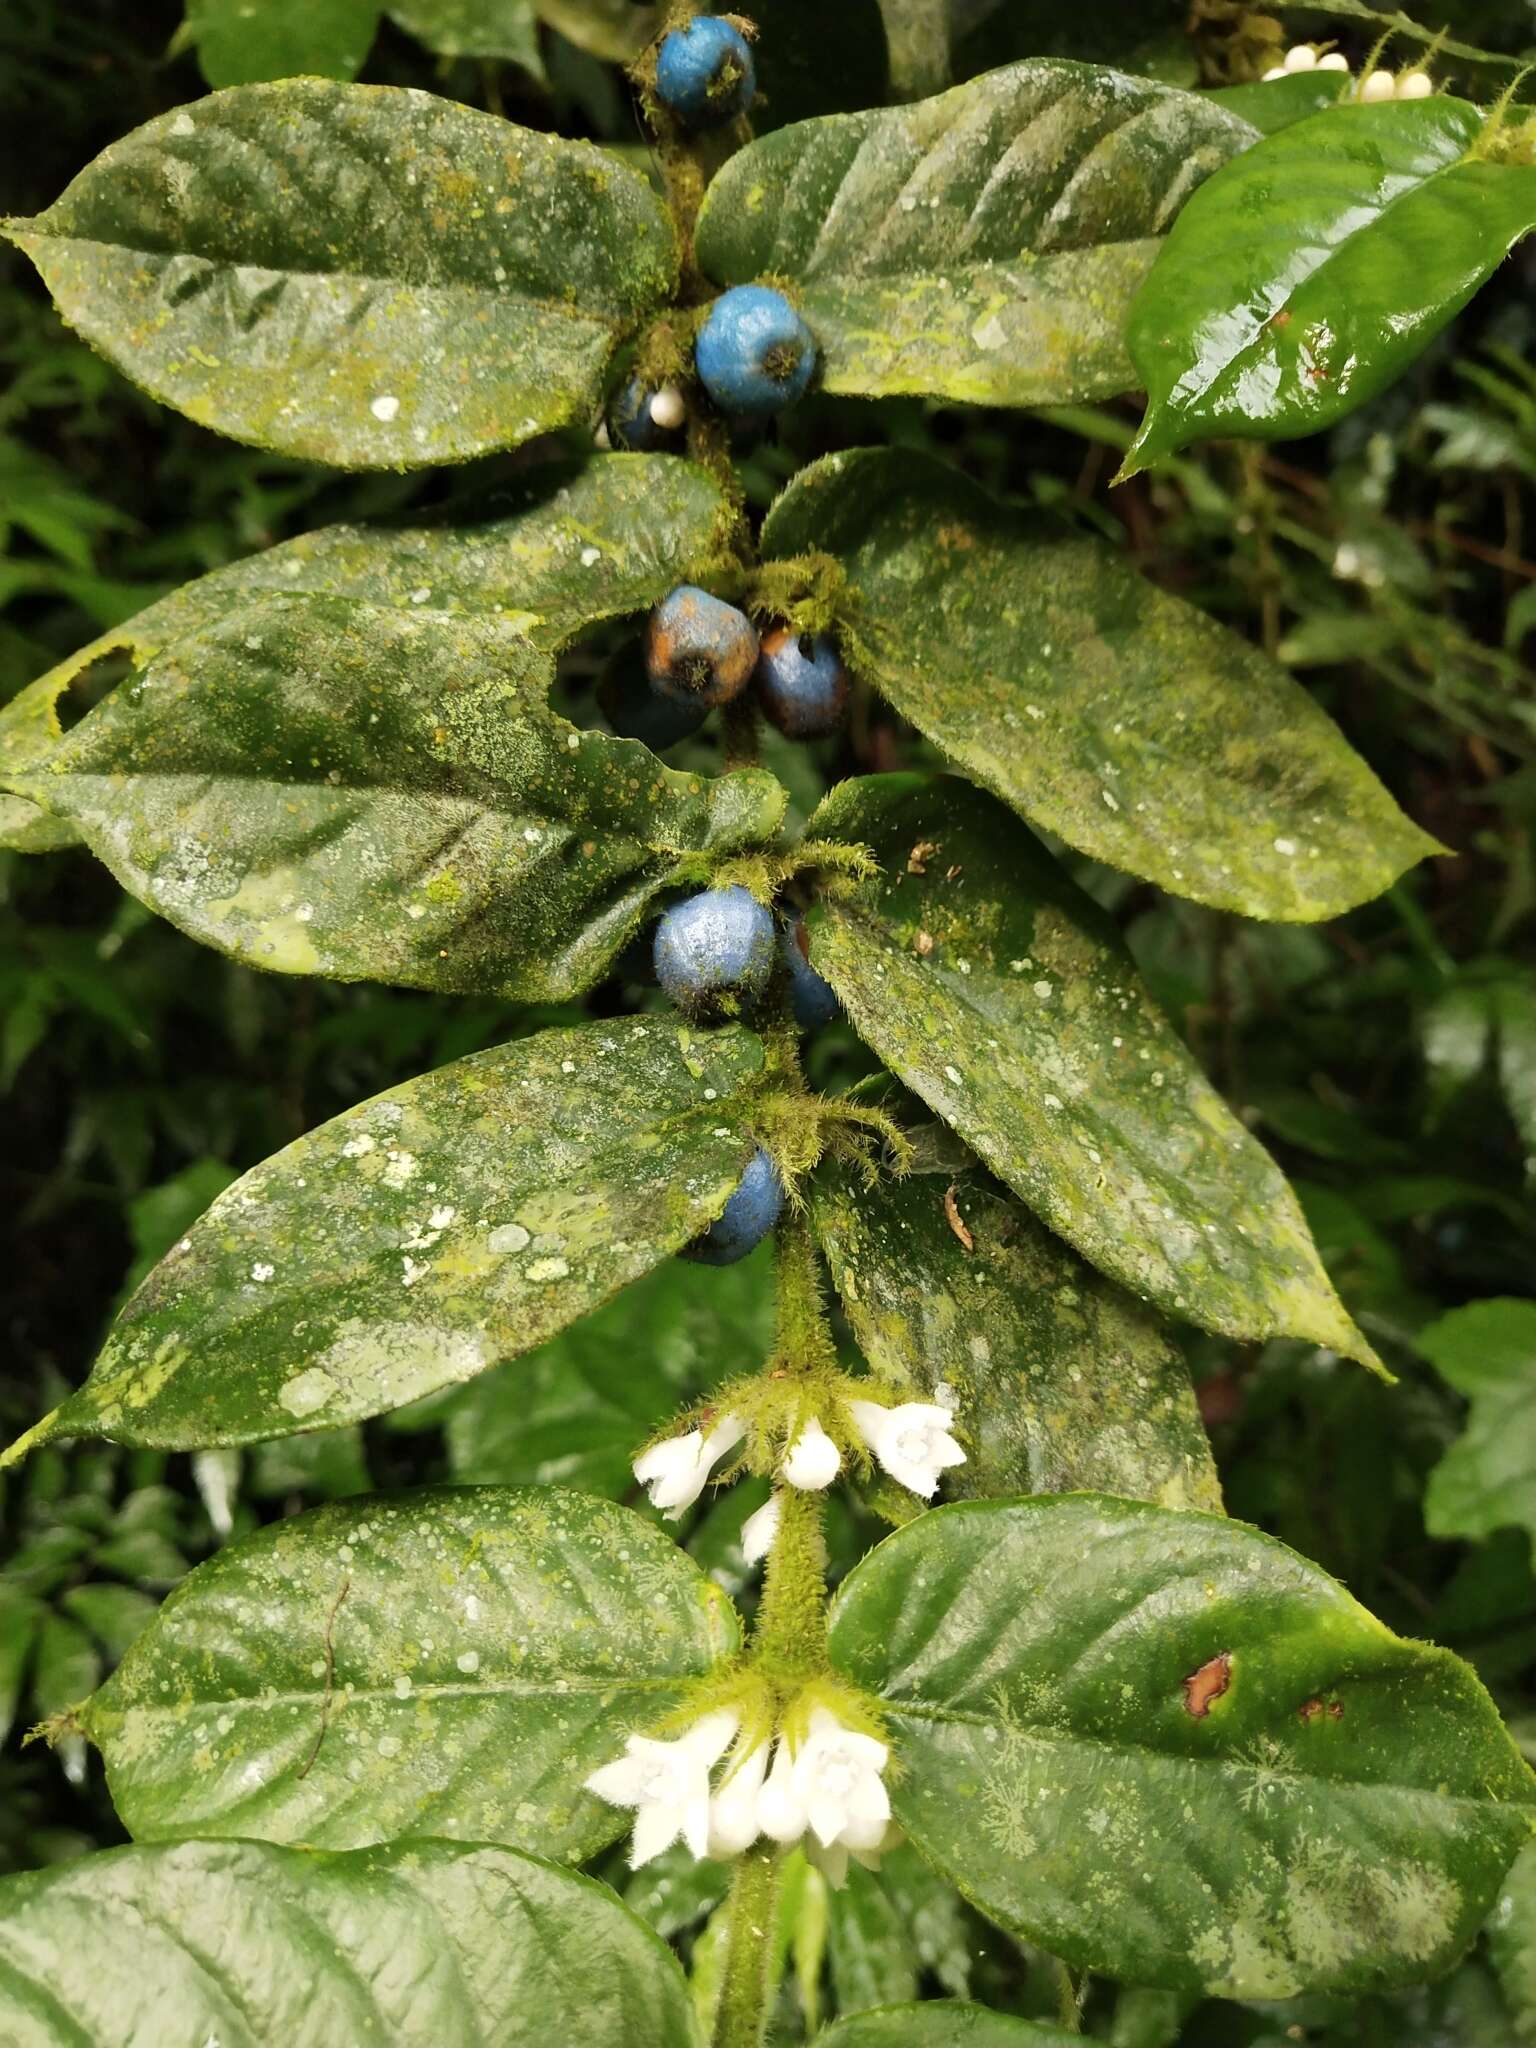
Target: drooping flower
(912,1442)
(759,1530)
(667,1783)
(837,1781)
(676,1472)
(780,1809)
(733,1815)
(813,1459)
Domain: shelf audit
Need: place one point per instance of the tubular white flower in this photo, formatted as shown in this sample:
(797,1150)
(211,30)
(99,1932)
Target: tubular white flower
(667,1783)
(759,1530)
(813,1459)
(912,1441)
(733,1811)
(836,1777)
(873,1842)
(676,1472)
(780,1809)
(1300,57)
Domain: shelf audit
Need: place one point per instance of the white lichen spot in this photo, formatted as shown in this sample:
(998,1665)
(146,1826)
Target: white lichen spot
(1285,846)
(359,1147)
(548,1269)
(403,1686)
(385,407)
(590,557)
(306,1392)
(262,1271)
(468,1660)
(1043,990)
(441,1217)
(183,125)
(420,596)
(399,1168)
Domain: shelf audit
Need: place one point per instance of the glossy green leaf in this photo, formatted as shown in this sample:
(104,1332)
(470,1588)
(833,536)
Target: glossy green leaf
(1487,1479)
(1058,1379)
(1275,103)
(460,1218)
(474,28)
(574,1411)
(869,1954)
(239,43)
(1164,1746)
(943,2023)
(1117,716)
(247,1946)
(356,274)
(1512,1943)
(1005,998)
(1310,273)
(983,245)
(324,786)
(446,1662)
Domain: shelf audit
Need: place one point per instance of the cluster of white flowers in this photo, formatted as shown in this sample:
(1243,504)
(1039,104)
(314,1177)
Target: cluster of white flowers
(824,1789)
(912,1442)
(1375,86)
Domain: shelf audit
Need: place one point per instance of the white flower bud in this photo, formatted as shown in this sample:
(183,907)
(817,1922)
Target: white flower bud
(676,1472)
(668,408)
(1415,85)
(667,1783)
(1301,57)
(759,1530)
(1334,61)
(733,1819)
(1377,85)
(813,1459)
(1275,71)
(912,1442)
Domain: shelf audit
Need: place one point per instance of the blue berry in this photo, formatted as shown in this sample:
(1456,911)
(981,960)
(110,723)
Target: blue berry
(754,353)
(802,684)
(811,997)
(746,1218)
(632,423)
(715,951)
(705,73)
(637,712)
(698,649)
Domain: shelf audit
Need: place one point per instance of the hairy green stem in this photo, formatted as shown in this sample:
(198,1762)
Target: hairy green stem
(748,1989)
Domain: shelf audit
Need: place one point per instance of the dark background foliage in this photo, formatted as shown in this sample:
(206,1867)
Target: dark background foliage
(1391,564)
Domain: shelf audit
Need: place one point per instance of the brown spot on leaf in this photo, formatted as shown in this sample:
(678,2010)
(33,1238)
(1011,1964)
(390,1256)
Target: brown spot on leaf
(1309,1710)
(1204,1687)
(923,944)
(917,859)
(955,1220)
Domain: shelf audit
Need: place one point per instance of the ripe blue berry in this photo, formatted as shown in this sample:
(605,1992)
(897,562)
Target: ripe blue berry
(746,1218)
(705,73)
(802,684)
(698,649)
(646,420)
(811,998)
(754,353)
(637,712)
(715,951)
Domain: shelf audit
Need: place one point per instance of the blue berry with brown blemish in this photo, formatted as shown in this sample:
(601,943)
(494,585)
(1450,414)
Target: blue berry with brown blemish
(699,650)
(802,684)
(714,952)
(746,1218)
(754,354)
(704,72)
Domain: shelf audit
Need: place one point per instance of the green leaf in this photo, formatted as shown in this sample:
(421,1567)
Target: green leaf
(983,245)
(20,1615)
(251,1946)
(1165,1747)
(241,44)
(507,29)
(574,1411)
(1487,1479)
(1059,1380)
(917,36)
(359,275)
(1378,224)
(1117,716)
(1512,1943)
(29,733)
(322,786)
(1005,998)
(460,1218)
(1274,104)
(868,1949)
(942,2023)
(1514,1022)
(452,1661)
(615,29)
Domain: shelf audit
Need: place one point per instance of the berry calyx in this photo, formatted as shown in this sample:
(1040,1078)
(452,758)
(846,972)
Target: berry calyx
(812,999)
(714,952)
(746,1218)
(636,711)
(699,650)
(754,354)
(802,684)
(647,420)
(704,72)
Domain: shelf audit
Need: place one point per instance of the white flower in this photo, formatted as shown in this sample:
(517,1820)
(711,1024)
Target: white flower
(780,1809)
(676,1472)
(912,1441)
(667,1783)
(759,1530)
(813,1459)
(871,1844)
(838,1784)
(733,1816)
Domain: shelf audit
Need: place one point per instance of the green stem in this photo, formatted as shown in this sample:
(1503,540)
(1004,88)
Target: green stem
(789,1641)
(749,1989)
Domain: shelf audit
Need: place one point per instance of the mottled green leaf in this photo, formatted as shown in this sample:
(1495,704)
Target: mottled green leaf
(1117,716)
(1309,274)
(247,1946)
(474,28)
(1512,1943)
(29,733)
(1487,1479)
(460,1218)
(1059,1380)
(319,785)
(943,2023)
(1005,998)
(446,1662)
(983,245)
(1164,1746)
(356,274)
(241,43)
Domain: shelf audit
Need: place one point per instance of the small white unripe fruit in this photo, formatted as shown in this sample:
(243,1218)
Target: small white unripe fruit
(1415,85)
(1334,61)
(668,408)
(1301,58)
(1275,71)
(1380,85)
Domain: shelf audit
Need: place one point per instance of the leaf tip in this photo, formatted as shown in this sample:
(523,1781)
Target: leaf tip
(29,1440)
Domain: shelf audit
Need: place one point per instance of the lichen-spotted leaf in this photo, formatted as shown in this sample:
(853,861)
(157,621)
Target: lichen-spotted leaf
(319,785)
(1164,1746)
(1004,997)
(30,733)
(452,1661)
(460,1218)
(1124,720)
(982,245)
(1059,1380)
(249,1946)
(1309,273)
(360,275)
